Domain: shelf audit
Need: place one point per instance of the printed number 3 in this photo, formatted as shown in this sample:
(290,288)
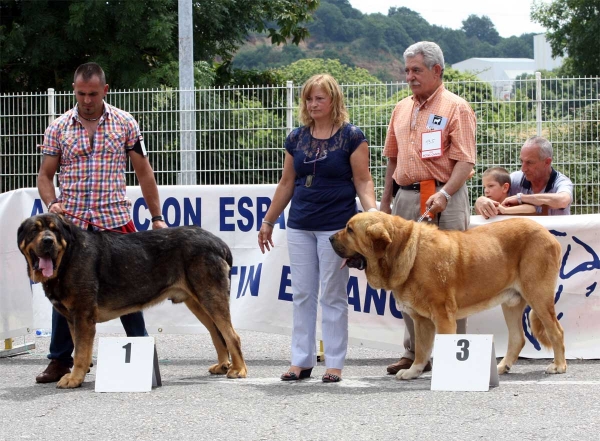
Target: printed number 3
(463,354)
(127,348)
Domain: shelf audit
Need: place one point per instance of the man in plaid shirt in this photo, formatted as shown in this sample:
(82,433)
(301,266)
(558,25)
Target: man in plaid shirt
(91,143)
(430,146)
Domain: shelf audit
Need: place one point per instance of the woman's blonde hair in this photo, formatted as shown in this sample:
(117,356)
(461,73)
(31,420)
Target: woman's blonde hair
(331,87)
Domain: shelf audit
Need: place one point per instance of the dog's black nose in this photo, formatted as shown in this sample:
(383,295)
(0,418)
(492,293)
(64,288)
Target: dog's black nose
(47,241)
(331,238)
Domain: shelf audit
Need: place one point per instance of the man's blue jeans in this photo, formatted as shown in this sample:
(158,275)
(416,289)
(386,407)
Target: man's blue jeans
(61,344)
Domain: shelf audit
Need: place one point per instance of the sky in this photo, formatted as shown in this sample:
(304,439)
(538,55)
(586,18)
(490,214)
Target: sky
(510,17)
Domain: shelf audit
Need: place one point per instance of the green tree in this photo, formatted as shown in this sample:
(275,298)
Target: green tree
(43,41)
(330,24)
(167,74)
(221,26)
(415,26)
(346,8)
(378,41)
(481,28)
(516,47)
(302,70)
(374,32)
(573,30)
(454,45)
(264,57)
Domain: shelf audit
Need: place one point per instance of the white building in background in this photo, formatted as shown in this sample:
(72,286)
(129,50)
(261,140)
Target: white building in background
(502,72)
(542,53)
(499,72)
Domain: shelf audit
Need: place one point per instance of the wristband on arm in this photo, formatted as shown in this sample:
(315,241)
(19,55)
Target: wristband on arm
(55,201)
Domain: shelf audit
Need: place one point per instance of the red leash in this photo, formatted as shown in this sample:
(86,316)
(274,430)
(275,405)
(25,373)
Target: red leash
(93,224)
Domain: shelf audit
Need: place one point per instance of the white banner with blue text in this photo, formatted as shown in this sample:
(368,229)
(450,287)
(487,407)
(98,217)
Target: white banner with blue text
(261,284)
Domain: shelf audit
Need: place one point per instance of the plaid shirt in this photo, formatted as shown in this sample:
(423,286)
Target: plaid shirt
(409,122)
(92,176)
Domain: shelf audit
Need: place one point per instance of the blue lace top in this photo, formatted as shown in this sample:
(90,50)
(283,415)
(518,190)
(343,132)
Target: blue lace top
(330,199)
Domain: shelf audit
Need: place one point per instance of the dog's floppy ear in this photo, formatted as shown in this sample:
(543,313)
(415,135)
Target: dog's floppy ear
(21,233)
(66,228)
(380,238)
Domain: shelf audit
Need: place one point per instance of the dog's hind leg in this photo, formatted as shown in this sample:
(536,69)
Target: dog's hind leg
(539,293)
(549,332)
(544,324)
(222,320)
(513,313)
(223,364)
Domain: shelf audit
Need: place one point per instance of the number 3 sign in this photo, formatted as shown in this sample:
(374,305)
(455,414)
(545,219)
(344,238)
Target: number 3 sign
(127,364)
(464,363)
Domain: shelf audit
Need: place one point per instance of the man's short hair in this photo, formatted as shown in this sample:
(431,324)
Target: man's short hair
(89,70)
(498,174)
(544,145)
(432,53)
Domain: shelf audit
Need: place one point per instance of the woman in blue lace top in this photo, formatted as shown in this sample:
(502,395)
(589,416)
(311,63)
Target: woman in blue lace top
(326,166)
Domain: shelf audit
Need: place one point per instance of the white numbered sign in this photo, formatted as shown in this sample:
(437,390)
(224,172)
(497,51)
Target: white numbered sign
(464,362)
(127,364)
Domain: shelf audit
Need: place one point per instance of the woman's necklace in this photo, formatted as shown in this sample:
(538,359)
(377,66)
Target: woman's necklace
(309,178)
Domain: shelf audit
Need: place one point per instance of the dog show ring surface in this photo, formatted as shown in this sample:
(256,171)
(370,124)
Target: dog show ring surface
(127,364)
(464,362)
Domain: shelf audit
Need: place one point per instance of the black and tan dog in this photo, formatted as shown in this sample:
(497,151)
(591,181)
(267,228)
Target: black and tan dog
(92,277)
(439,276)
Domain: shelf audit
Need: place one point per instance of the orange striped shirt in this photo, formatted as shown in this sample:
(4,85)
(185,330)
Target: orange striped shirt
(409,122)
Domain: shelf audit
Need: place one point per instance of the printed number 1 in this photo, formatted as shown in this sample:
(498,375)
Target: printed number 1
(463,355)
(127,348)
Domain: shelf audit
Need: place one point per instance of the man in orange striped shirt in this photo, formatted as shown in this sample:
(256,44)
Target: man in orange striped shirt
(430,146)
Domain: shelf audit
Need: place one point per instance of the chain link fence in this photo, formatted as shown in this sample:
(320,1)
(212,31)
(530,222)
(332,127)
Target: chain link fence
(239,132)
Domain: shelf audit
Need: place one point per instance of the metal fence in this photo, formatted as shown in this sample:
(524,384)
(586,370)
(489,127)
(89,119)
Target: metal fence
(239,132)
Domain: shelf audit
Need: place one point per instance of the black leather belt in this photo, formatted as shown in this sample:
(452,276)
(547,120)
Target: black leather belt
(417,186)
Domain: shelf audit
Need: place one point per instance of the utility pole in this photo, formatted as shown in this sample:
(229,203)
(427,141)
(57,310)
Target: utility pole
(187,102)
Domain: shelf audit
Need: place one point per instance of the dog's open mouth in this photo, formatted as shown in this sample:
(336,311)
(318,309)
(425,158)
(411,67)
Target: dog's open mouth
(357,261)
(45,264)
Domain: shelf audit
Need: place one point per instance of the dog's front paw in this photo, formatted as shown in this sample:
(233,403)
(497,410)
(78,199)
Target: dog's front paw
(408,374)
(68,381)
(503,368)
(555,369)
(219,368)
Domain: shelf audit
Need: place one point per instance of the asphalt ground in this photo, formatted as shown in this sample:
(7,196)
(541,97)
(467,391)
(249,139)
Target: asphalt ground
(366,405)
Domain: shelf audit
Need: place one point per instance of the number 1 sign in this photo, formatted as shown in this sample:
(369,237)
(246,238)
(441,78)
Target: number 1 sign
(464,362)
(127,364)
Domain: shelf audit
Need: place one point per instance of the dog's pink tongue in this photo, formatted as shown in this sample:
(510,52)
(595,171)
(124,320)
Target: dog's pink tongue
(343,263)
(46,266)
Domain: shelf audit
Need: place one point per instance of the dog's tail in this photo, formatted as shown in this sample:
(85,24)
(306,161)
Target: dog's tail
(538,329)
